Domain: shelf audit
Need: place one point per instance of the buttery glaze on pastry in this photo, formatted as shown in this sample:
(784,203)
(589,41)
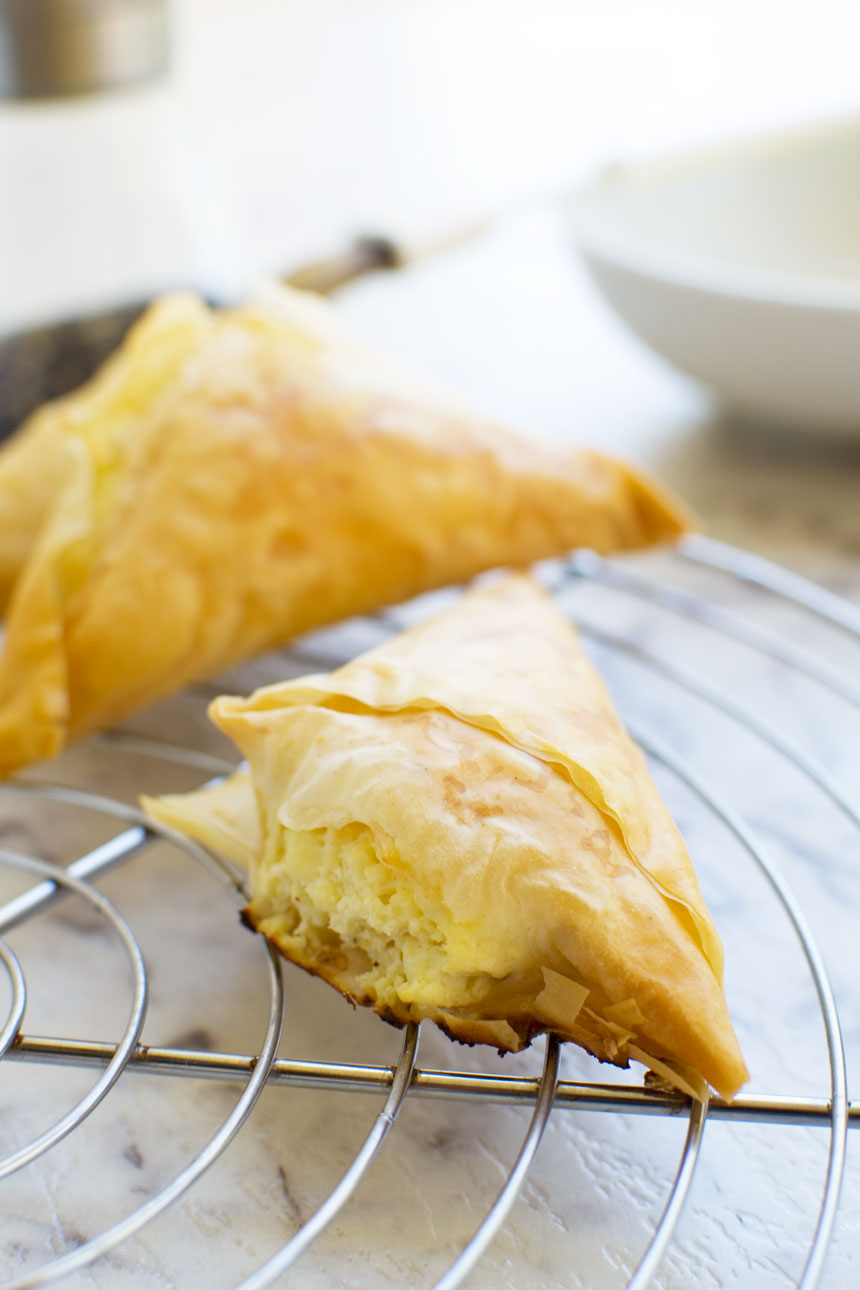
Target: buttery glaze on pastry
(284,479)
(36,462)
(456,826)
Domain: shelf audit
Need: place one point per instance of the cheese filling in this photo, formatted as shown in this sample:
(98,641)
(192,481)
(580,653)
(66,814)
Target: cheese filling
(328,889)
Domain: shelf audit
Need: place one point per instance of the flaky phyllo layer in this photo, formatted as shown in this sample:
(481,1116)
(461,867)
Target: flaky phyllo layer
(232,478)
(456,827)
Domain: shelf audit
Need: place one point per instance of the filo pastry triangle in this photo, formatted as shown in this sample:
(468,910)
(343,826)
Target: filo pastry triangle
(236,478)
(455,826)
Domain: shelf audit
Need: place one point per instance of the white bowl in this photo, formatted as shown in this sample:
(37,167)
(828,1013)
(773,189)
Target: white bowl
(741,265)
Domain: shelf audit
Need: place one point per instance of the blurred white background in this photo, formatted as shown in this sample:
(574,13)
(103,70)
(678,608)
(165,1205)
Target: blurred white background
(288,125)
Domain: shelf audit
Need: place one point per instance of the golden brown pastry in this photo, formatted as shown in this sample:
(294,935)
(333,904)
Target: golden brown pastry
(456,826)
(36,462)
(282,480)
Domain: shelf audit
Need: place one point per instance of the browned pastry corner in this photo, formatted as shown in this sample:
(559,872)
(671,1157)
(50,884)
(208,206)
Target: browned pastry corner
(455,826)
(232,479)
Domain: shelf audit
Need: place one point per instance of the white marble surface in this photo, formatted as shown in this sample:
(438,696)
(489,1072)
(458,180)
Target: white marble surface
(304,122)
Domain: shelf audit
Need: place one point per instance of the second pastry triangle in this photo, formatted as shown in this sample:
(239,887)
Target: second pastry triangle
(233,479)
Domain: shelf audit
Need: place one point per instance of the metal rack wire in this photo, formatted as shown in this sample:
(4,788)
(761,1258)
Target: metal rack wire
(548,1094)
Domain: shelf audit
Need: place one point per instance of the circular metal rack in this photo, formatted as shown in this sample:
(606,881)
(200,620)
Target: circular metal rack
(669,596)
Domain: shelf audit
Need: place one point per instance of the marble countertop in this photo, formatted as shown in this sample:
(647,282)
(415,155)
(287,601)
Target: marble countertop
(306,123)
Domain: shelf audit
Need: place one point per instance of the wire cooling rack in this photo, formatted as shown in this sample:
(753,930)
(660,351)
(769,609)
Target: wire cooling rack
(733,615)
